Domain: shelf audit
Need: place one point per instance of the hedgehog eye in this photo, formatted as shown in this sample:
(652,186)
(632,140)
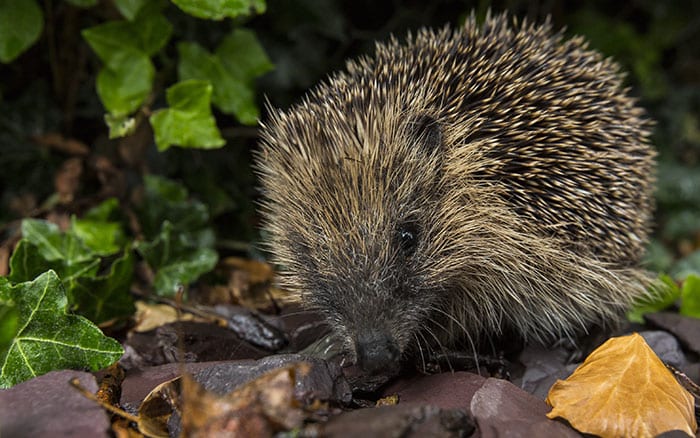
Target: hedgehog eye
(407,236)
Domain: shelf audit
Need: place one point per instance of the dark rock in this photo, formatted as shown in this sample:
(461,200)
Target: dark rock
(446,390)
(403,420)
(666,347)
(502,409)
(543,367)
(324,381)
(48,406)
(140,382)
(684,328)
(202,342)
(250,326)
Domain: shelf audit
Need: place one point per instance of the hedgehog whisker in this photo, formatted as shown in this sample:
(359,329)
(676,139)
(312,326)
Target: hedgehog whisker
(438,342)
(420,349)
(466,333)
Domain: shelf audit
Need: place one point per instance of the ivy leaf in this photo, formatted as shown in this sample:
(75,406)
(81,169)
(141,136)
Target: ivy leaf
(48,337)
(106,297)
(690,297)
(130,8)
(120,126)
(104,211)
(242,54)
(102,237)
(125,48)
(21,23)
(238,60)
(148,34)
(54,245)
(184,270)
(27,263)
(9,324)
(125,82)
(623,389)
(188,122)
(220,9)
(179,248)
(166,200)
(176,260)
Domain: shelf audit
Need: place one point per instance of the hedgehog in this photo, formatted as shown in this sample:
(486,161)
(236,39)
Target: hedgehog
(461,184)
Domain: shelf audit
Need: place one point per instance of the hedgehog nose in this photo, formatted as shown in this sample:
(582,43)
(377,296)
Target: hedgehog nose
(376,352)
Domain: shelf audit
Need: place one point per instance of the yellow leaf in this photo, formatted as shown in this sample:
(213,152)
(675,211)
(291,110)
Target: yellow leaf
(623,389)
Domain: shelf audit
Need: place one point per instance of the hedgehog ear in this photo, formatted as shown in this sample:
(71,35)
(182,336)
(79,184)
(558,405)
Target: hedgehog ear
(427,133)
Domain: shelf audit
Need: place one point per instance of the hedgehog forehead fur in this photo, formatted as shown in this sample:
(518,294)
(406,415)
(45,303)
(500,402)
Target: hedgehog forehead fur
(514,160)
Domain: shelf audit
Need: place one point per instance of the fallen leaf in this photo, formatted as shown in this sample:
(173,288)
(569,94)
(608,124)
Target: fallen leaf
(623,389)
(389,400)
(249,283)
(261,407)
(158,406)
(150,316)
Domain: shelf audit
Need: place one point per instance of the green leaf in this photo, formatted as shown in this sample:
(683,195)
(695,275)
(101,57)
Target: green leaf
(106,297)
(103,238)
(83,3)
(690,297)
(147,34)
(104,211)
(184,270)
(27,263)
(158,188)
(130,8)
(125,82)
(125,48)
(48,337)
(242,54)
(238,60)
(664,292)
(9,324)
(177,262)
(153,31)
(21,23)
(168,201)
(53,244)
(188,122)
(219,9)
(120,126)
(179,245)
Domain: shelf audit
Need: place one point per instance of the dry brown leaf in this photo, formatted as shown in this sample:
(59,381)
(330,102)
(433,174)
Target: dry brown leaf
(151,316)
(248,283)
(155,410)
(623,389)
(389,400)
(259,408)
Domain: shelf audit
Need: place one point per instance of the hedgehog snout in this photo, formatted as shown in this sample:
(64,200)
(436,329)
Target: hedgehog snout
(376,352)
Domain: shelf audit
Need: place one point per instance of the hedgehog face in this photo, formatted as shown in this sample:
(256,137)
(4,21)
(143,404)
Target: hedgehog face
(357,251)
